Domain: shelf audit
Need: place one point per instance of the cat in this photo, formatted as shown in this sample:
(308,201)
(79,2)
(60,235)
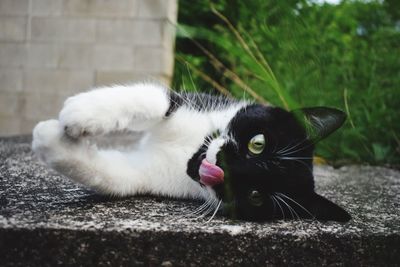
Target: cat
(245,160)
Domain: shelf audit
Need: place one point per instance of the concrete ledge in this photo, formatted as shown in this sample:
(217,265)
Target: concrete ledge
(46,220)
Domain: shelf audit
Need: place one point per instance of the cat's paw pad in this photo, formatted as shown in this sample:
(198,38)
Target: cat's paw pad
(76,130)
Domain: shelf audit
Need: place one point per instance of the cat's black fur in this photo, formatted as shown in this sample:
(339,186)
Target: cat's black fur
(282,174)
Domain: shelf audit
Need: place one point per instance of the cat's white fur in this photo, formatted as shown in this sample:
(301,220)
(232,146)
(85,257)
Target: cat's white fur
(158,164)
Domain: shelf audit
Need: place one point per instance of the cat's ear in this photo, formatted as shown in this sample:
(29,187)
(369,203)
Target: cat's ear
(319,122)
(325,210)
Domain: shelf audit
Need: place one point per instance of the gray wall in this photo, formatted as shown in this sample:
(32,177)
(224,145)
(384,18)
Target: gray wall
(51,49)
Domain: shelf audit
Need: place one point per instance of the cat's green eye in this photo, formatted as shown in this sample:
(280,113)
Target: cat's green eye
(257,144)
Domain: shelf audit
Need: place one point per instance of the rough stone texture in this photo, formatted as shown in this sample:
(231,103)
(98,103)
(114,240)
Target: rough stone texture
(47,220)
(57,48)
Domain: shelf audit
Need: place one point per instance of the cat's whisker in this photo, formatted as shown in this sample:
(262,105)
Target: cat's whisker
(215,212)
(294,158)
(200,214)
(298,150)
(174,102)
(190,76)
(288,146)
(291,148)
(281,149)
(207,143)
(207,140)
(187,101)
(295,202)
(199,209)
(280,200)
(284,203)
(291,210)
(208,210)
(280,207)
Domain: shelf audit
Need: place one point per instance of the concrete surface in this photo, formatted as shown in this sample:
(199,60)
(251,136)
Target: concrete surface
(46,220)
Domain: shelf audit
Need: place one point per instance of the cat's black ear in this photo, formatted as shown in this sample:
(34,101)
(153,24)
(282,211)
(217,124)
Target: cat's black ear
(325,210)
(319,122)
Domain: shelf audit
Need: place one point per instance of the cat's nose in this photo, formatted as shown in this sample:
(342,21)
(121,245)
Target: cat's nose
(210,174)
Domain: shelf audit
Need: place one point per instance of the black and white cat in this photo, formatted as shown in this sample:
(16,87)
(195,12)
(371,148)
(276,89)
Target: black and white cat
(247,160)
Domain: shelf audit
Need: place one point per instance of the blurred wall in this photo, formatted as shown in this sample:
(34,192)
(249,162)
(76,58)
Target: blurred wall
(51,49)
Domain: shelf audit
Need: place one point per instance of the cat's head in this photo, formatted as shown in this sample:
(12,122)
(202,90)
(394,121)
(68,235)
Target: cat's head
(261,165)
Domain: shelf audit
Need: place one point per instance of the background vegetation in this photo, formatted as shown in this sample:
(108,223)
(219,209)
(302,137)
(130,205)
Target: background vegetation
(298,53)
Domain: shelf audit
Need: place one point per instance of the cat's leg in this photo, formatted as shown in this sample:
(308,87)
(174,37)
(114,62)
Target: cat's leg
(149,170)
(136,108)
(110,172)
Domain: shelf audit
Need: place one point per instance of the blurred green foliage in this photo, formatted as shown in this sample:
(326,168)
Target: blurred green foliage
(345,56)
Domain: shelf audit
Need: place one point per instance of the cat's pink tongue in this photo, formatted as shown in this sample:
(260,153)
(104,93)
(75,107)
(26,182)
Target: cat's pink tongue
(210,174)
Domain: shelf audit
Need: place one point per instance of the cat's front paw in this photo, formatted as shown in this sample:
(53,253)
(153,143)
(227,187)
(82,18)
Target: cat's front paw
(87,114)
(46,138)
